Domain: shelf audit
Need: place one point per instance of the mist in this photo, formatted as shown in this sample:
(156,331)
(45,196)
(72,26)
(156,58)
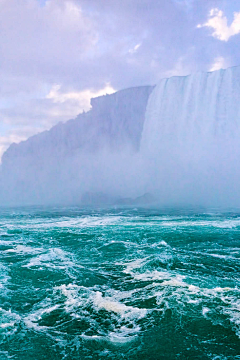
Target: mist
(178,142)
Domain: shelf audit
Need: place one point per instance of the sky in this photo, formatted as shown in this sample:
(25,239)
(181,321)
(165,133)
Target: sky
(55,55)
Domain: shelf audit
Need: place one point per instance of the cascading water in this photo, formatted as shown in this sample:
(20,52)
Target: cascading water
(191,138)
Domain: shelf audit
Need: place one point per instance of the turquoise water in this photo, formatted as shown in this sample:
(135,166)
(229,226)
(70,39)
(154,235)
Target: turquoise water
(119,284)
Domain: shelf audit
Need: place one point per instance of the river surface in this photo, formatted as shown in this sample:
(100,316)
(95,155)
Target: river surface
(119,283)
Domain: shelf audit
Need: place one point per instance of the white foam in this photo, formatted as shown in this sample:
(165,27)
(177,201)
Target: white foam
(4,278)
(205,310)
(73,298)
(22,249)
(225,224)
(233,311)
(220,289)
(6,325)
(151,275)
(31,321)
(136,264)
(112,305)
(55,258)
(76,222)
(163,243)
(109,220)
(79,298)
(6,242)
(33,325)
(124,334)
(8,319)
(193,288)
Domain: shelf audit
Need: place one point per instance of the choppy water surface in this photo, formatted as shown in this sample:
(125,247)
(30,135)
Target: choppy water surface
(119,284)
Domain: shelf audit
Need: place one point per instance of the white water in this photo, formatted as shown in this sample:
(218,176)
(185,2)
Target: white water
(191,138)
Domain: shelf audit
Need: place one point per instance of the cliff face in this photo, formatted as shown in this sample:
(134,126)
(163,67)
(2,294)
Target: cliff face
(52,166)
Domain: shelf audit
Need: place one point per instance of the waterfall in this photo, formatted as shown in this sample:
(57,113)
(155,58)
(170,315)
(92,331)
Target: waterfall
(191,138)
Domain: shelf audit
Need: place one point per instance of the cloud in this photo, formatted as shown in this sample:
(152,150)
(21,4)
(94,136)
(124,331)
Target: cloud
(82,45)
(219,63)
(219,23)
(44,113)
(134,49)
(5,141)
(43,39)
(179,69)
(88,43)
(80,98)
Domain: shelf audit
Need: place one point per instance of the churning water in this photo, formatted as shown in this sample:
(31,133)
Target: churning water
(119,283)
